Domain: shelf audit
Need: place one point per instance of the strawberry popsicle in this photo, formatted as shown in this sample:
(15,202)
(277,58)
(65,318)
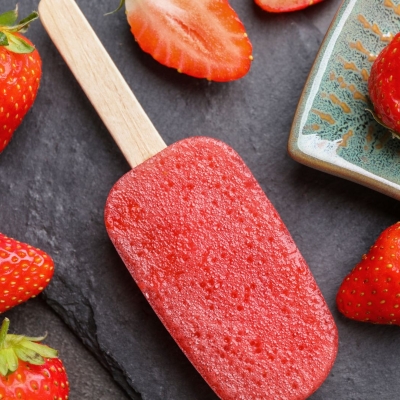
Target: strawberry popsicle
(203,243)
(218,266)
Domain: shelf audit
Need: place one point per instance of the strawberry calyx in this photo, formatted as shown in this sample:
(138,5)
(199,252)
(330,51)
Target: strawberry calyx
(10,30)
(17,347)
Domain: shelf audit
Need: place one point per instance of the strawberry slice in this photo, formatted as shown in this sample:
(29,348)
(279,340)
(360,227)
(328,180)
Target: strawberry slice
(201,38)
(277,6)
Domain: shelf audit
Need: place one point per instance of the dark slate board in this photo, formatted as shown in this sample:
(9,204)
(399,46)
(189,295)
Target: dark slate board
(57,171)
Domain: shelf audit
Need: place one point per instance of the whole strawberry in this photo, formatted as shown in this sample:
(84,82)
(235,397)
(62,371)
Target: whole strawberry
(384,86)
(20,73)
(30,370)
(24,272)
(371,292)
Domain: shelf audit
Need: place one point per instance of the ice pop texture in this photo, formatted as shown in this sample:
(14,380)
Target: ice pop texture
(220,269)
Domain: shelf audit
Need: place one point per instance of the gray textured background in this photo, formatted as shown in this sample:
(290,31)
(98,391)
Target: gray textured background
(56,174)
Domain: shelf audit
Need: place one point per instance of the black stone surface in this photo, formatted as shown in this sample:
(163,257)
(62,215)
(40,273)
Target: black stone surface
(56,174)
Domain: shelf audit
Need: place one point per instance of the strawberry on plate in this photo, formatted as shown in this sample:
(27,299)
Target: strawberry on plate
(201,38)
(371,292)
(279,6)
(30,370)
(384,86)
(24,272)
(20,73)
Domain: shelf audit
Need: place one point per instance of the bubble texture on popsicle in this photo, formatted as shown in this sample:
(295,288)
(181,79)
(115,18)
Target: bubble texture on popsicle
(220,269)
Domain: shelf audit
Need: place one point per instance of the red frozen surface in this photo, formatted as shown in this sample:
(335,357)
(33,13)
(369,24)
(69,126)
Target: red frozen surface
(220,269)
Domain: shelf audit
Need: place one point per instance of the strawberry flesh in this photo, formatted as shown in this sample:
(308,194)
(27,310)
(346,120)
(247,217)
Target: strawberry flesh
(201,38)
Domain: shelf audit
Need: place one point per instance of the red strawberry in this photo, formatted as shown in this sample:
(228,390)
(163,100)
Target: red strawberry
(384,86)
(278,6)
(371,292)
(20,73)
(24,272)
(30,370)
(201,38)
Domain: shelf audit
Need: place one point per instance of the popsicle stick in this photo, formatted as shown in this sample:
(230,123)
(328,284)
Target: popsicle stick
(104,85)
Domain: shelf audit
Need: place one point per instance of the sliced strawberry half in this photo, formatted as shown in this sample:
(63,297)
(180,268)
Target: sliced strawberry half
(278,6)
(201,38)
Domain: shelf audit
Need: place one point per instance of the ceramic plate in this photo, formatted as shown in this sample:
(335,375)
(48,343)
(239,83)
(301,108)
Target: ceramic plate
(332,131)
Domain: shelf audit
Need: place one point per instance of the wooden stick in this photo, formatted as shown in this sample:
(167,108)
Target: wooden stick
(100,79)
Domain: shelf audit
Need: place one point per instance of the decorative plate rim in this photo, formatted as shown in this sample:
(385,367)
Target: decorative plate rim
(365,178)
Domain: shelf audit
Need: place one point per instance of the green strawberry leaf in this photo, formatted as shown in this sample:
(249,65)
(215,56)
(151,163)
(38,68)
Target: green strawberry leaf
(44,351)
(3,39)
(11,359)
(34,339)
(18,45)
(23,25)
(3,364)
(28,355)
(9,18)
(16,339)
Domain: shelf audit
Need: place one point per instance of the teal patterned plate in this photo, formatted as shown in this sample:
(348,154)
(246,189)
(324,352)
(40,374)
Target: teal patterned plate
(332,131)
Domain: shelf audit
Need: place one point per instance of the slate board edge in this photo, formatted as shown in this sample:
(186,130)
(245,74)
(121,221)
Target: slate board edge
(91,343)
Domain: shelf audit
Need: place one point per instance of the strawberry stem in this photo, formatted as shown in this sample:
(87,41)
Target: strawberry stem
(3,332)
